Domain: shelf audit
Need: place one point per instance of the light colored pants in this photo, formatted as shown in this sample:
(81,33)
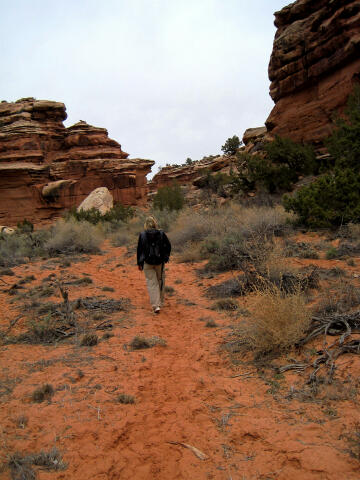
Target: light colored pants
(155,284)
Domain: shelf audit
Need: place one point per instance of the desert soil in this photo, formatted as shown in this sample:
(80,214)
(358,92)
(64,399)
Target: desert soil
(189,392)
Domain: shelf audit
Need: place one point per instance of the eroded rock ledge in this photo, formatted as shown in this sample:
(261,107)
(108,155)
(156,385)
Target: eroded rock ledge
(313,67)
(46,168)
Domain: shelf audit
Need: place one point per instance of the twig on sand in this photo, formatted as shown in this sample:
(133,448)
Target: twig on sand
(198,453)
(242,375)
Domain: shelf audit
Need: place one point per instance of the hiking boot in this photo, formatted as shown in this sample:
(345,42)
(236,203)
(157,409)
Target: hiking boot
(157,310)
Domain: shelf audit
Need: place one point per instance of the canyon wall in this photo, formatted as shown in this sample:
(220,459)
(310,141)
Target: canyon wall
(313,67)
(46,168)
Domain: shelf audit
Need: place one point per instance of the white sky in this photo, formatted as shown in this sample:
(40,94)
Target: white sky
(169,79)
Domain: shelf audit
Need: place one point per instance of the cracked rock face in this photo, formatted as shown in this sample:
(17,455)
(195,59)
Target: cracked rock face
(313,67)
(46,168)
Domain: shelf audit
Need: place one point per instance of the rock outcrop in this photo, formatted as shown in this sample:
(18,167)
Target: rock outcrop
(313,67)
(46,168)
(187,174)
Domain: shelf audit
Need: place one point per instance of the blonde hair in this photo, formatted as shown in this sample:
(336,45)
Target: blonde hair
(150,223)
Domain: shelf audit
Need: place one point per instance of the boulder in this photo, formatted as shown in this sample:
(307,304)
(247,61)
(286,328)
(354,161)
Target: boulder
(100,199)
(6,230)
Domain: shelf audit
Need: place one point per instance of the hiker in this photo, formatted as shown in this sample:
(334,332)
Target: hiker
(153,252)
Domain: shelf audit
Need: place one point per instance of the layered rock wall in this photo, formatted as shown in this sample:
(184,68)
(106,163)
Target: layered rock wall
(187,174)
(313,67)
(46,168)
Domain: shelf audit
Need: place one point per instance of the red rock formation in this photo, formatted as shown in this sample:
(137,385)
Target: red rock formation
(313,66)
(187,174)
(45,167)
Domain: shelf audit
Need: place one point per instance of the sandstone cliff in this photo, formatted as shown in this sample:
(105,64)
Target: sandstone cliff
(46,168)
(313,66)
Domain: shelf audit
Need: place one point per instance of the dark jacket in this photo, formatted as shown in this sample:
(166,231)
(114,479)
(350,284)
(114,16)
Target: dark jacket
(143,247)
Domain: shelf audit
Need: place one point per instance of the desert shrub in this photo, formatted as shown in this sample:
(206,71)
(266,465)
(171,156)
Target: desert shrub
(45,392)
(215,182)
(300,249)
(190,227)
(344,143)
(42,330)
(233,287)
(72,236)
(169,198)
(334,198)
(231,145)
(118,213)
(282,166)
(228,236)
(25,226)
(332,253)
(338,298)
(278,323)
(21,247)
(121,238)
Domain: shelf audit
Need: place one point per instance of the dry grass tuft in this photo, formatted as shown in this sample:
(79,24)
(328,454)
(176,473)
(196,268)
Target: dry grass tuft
(89,340)
(45,392)
(279,322)
(125,399)
(139,343)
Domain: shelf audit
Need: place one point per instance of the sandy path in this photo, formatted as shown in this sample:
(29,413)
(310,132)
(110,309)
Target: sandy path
(183,392)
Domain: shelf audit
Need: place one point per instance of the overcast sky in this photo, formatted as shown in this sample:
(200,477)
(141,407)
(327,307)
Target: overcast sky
(169,79)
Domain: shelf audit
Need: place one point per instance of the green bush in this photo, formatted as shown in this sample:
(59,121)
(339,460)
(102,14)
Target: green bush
(119,213)
(25,226)
(169,198)
(334,198)
(344,143)
(231,145)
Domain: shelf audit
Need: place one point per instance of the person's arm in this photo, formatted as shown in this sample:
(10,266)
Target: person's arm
(166,247)
(140,252)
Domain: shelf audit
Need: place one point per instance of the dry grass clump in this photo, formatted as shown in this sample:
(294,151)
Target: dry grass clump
(139,343)
(72,236)
(89,340)
(125,399)
(21,466)
(45,392)
(278,323)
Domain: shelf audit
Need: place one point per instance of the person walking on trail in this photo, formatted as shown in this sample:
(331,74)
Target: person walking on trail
(153,252)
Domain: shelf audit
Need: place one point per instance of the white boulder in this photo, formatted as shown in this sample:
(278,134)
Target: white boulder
(100,198)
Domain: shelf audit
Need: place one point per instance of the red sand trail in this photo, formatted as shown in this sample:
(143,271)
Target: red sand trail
(184,393)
